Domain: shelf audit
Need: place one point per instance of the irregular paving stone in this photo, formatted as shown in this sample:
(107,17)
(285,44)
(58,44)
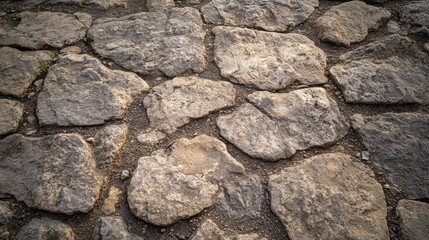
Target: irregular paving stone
(10,115)
(176,102)
(275,125)
(112,228)
(390,71)
(102,3)
(209,230)
(165,186)
(108,143)
(44,228)
(413,219)
(19,69)
(417,14)
(6,213)
(329,196)
(44,29)
(399,144)
(79,90)
(270,15)
(268,61)
(54,173)
(109,205)
(171,42)
(350,22)
(156,5)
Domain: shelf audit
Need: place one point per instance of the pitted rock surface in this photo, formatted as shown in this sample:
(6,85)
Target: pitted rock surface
(53,173)
(19,69)
(112,228)
(10,115)
(108,143)
(166,184)
(269,15)
(170,42)
(329,196)
(399,144)
(268,61)
(80,91)
(413,219)
(44,228)
(209,230)
(275,125)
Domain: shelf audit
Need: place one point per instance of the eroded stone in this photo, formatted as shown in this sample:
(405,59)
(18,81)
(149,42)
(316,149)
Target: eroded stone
(10,115)
(413,219)
(108,143)
(44,228)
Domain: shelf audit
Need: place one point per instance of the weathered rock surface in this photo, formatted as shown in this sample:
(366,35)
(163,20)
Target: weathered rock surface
(156,5)
(176,102)
(268,61)
(329,196)
(10,115)
(19,69)
(109,205)
(102,3)
(392,70)
(44,29)
(275,125)
(413,219)
(270,15)
(112,228)
(6,213)
(416,14)
(210,231)
(108,143)
(44,228)
(399,143)
(79,90)
(53,173)
(350,22)
(170,42)
(165,186)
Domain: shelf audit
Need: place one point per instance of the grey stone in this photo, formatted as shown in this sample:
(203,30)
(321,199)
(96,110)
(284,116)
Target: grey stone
(79,90)
(413,219)
(102,3)
(389,71)
(350,22)
(399,144)
(19,69)
(44,228)
(417,15)
(6,213)
(171,42)
(268,61)
(156,5)
(44,29)
(109,205)
(181,181)
(10,115)
(393,27)
(113,228)
(270,15)
(329,196)
(365,155)
(275,125)
(208,230)
(53,173)
(108,143)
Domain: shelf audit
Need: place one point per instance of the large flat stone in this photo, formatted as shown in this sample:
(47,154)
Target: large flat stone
(44,228)
(171,42)
(413,219)
(268,61)
(11,113)
(329,196)
(399,144)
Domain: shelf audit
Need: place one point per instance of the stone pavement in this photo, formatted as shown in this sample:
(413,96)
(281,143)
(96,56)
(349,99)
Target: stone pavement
(214,119)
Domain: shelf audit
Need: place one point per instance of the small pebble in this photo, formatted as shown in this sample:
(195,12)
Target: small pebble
(358,155)
(31,132)
(162,230)
(38,84)
(110,64)
(125,174)
(338,93)
(158,79)
(426,47)
(393,27)
(90,140)
(365,155)
(386,186)
(30,95)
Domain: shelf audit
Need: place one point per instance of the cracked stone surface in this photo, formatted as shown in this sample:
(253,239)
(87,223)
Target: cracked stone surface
(268,61)
(113,228)
(170,42)
(80,91)
(329,196)
(269,15)
(108,143)
(53,173)
(413,219)
(44,228)
(11,113)
(275,125)
(209,230)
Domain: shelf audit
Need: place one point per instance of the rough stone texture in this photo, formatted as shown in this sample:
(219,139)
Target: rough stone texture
(6,213)
(268,61)
(112,228)
(171,42)
(19,69)
(329,196)
(399,143)
(79,90)
(166,185)
(53,173)
(44,29)
(413,219)
(270,15)
(102,3)
(108,143)
(44,228)
(176,102)
(417,15)
(109,205)
(10,115)
(71,49)
(275,125)
(350,22)
(210,231)
(156,5)
(390,71)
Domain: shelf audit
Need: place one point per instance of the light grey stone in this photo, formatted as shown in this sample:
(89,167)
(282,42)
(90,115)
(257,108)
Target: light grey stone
(108,143)
(416,14)
(125,174)
(329,196)
(208,230)
(156,5)
(171,42)
(10,115)
(79,90)
(6,213)
(413,219)
(54,173)
(113,228)
(275,125)
(44,228)
(399,144)
(268,61)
